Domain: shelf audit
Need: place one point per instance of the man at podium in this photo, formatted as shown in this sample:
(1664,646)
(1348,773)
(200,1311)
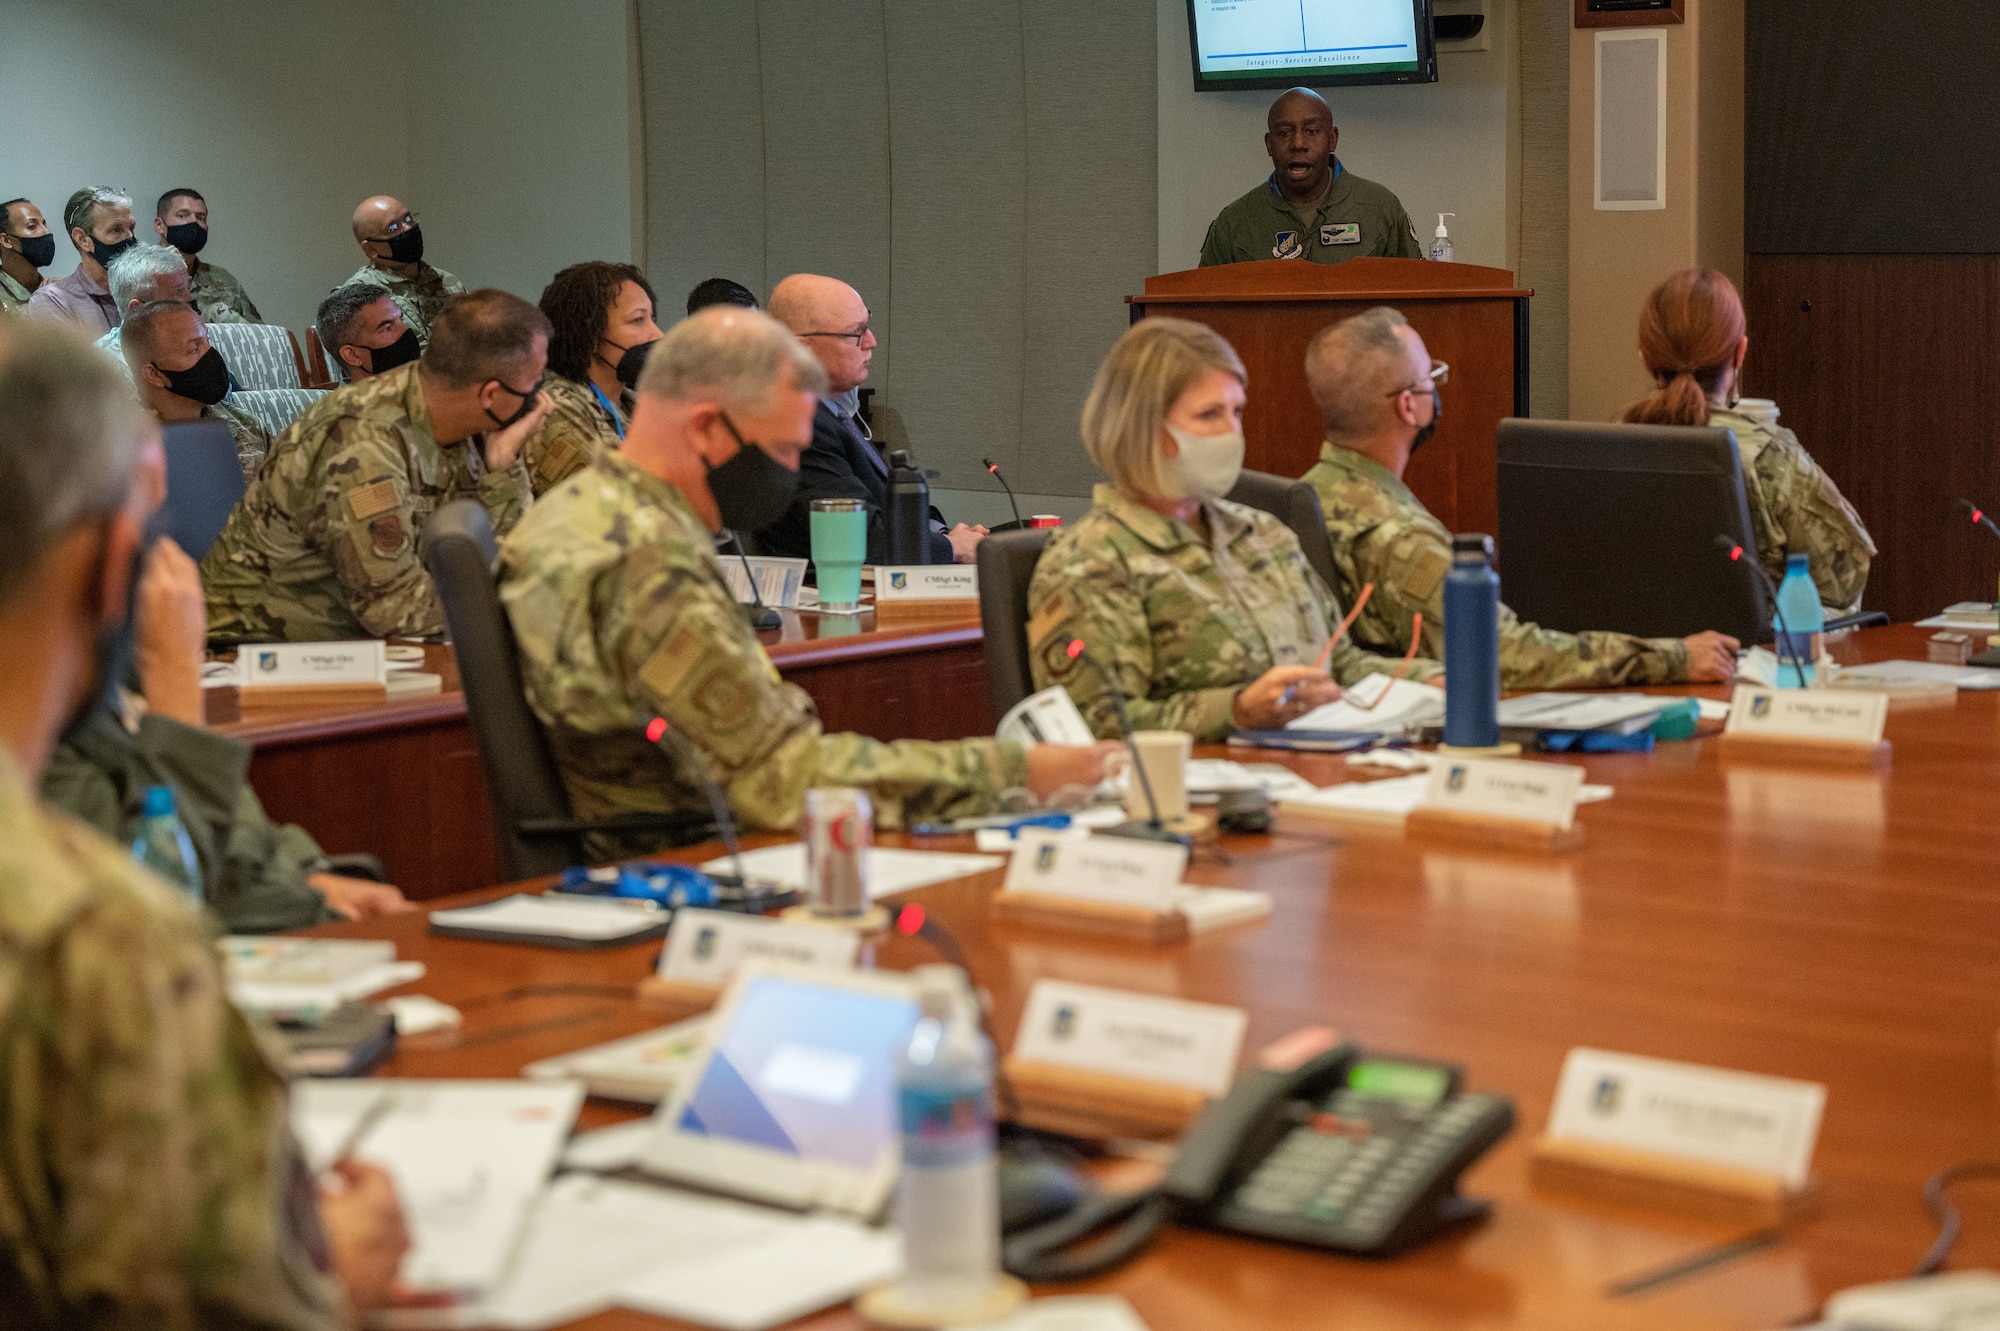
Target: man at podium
(1310,207)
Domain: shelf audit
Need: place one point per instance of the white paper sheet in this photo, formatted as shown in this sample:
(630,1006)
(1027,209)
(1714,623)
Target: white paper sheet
(1407,704)
(890,871)
(1892,674)
(583,920)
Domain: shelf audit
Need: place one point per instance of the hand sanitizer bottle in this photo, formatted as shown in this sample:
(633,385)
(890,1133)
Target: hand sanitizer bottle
(1441,247)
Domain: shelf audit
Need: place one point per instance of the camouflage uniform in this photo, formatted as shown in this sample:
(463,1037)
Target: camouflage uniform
(1181,624)
(622,614)
(1795,508)
(147,1173)
(13,296)
(419,298)
(1355,217)
(220,297)
(1381,533)
(324,544)
(577,432)
(252,440)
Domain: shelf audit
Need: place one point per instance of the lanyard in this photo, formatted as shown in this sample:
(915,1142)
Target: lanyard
(617,421)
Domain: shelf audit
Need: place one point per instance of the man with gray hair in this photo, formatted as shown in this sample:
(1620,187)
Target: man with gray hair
(151,1177)
(622,613)
(1377,391)
(181,377)
(99,221)
(139,276)
(362,329)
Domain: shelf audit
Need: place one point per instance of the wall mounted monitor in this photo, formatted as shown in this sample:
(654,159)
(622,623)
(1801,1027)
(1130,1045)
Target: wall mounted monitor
(1310,43)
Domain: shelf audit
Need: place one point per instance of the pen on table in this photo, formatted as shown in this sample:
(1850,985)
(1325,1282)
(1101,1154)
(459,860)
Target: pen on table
(1700,1261)
(378,1109)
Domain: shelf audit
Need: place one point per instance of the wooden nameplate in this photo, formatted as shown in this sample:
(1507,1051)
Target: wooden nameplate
(1485,830)
(1105,919)
(1645,1178)
(1816,752)
(657,991)
(892,612)
(1099,1104)
(309,695)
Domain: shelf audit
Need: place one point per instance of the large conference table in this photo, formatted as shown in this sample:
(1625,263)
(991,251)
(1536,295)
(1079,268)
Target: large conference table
(1840,926)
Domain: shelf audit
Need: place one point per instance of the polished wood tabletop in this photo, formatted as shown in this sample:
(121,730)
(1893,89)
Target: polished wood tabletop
(1838,926)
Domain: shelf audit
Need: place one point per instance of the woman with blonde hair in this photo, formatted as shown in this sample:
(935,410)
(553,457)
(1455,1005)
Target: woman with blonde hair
(1692,337)
(1203,611)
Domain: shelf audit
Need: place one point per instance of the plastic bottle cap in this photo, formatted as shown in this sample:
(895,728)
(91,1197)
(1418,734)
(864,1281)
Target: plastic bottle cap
(159,801)
(1472,543)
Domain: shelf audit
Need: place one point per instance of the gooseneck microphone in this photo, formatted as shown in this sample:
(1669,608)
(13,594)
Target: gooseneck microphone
(1735,551)
(761,616)
(1154,828)
(689,758)
(993,470)
(1979,518)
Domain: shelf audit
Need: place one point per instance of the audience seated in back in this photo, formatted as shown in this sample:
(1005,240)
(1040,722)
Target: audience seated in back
(720,291)
(1379,399)
(361,326)
(622,614)
(181,377)
(1204,612)
(602,317)
(325,543)
(1693,339)
(257,876)
(180,219)
(26,247)
(139,276)
(844,462)
(393,243)
(99,222)
(152,1178)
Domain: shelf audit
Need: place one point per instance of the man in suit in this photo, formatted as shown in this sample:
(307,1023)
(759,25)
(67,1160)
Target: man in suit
(843,462)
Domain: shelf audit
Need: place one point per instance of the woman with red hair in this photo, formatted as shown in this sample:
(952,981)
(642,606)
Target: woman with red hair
(1693,340)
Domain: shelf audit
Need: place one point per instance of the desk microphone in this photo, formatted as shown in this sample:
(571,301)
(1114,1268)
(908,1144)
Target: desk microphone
(1154,828)
(761,616)
(1735,551)
(689,758)
(1979,518)
(993,470)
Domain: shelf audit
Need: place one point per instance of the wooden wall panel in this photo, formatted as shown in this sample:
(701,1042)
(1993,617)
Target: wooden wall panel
(1884,365)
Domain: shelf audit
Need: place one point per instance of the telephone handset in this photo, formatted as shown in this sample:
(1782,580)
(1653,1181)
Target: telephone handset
(1346,1150)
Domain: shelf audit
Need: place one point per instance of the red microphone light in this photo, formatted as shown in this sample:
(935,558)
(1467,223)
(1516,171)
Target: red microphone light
(1977,516)
(1075,648)
(656,728)
(910,920)
(1736,552)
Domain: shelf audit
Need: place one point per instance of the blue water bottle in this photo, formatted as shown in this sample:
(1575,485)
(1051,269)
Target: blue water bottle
(1472,645)
(162,844)
(1798,626)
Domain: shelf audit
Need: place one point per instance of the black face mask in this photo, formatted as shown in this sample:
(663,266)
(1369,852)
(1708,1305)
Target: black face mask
(1424,432)
(104,251)
(187,237)
(752,489)
(39,251)
(400,352)
(113,652)
(206,381)
(406,246)
(527,402)
(631,363)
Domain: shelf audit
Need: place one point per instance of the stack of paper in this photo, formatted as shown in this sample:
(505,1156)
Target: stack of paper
(642,1068)
(1892,676)
(1405,705)
(1623,713)
(555,921)
(890,871)
(309,976)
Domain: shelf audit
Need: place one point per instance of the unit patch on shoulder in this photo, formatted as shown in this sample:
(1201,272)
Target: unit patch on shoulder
(1053,616)
(1423,573)
(365,501)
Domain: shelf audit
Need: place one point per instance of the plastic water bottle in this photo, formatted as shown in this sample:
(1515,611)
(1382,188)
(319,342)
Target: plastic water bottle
(1441,246)
(909,511)
(948,1200)
(1472,645)
(1799,612)
(162,844)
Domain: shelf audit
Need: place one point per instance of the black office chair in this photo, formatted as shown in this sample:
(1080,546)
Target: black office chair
(1295,504)
(1006,562)
(533,825)
(204,483)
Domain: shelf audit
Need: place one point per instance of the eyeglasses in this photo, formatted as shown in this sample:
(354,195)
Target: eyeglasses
(1347,622)
(1439,376)
(395,228)
(856,338)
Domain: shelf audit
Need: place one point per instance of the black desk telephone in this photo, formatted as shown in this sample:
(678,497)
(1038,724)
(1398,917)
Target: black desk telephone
(1348,1151)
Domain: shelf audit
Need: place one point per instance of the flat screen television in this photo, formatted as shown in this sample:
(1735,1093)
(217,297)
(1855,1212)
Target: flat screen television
(1310,43)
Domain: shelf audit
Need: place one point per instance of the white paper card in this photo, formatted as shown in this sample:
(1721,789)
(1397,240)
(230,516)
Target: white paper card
(890,870)
(926,582)
(1098,868)
(778,580)
(1766,1124)
(294,663)
(1073,1312)
(1048,717)
(1506,788)
(1841,716)
(706,946)
(1125,1034)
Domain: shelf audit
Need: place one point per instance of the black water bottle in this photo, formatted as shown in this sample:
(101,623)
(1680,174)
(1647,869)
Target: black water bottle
(909,511)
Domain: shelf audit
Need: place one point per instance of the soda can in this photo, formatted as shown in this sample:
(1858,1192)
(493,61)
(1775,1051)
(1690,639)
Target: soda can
(839,826)
(1045,519)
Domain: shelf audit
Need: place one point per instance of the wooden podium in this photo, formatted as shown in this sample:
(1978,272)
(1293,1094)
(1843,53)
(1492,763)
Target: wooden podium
(1474,319)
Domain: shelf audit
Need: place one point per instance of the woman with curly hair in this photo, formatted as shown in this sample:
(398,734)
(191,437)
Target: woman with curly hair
(602,317)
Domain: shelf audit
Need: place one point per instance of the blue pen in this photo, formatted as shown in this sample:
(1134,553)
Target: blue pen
(1011,822)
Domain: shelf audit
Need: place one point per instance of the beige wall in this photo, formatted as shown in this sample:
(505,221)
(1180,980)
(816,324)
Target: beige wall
(1617,257)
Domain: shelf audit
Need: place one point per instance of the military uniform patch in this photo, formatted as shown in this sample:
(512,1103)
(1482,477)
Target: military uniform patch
(365,501)
(723,696)
(1287,246)
(1340,233)
(1421,576)
(558,462)
(385,534)
(671,661)
(1053,616)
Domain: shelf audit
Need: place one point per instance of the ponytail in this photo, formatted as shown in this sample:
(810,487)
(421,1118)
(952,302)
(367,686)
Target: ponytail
(1689,330)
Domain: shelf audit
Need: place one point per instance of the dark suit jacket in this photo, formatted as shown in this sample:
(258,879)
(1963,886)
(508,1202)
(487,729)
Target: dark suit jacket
(841,465)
